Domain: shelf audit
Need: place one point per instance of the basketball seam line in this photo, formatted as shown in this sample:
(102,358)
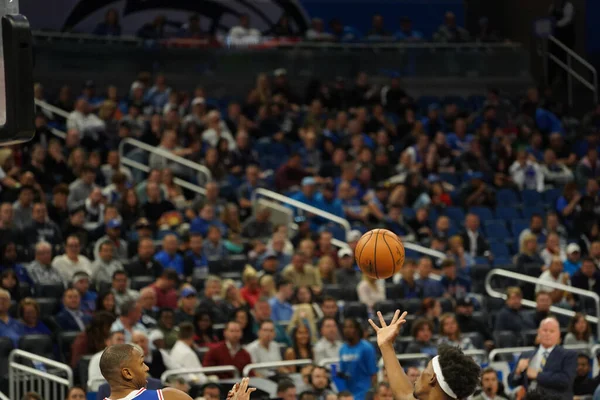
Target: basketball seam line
(391,253)
(375,256)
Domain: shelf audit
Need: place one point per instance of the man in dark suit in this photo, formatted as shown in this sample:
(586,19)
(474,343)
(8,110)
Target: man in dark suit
(550,368)
(587,277)
(104,389)
(71,318)
(475,244)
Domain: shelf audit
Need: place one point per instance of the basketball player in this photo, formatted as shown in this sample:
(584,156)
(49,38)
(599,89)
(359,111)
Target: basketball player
(123,367)
(450,375)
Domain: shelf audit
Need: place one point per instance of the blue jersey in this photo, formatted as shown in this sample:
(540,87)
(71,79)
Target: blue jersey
(142,394)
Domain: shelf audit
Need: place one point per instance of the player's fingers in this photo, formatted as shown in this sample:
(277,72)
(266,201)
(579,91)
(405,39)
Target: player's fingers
(375,327)
(381,320)
(396,315)
(244,385)
(251,389)
(403,317)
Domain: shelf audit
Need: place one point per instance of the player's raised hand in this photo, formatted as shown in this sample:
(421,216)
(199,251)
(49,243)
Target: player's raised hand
(241,391)
(386,334)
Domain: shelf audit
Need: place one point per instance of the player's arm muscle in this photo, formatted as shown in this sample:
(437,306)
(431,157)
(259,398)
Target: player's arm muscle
(175,394)
(401,387)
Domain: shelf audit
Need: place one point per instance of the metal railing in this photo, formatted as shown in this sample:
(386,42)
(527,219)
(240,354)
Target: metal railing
(53,110)
(23,378)
(203,370)
(3,396)
(276,364)
(163,153)
(528,303)
(569,69)
(512,350)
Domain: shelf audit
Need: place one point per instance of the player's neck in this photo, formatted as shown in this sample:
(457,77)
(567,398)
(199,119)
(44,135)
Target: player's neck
(121,390)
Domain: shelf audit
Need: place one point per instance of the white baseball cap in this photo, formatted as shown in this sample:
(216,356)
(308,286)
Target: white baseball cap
(572,248)
(344,252)
(353,235)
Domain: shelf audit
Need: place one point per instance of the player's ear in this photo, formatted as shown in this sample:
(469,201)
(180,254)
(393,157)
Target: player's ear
(432,380)
(126,373)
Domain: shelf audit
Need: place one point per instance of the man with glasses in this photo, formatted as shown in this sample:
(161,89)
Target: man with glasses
(72,261)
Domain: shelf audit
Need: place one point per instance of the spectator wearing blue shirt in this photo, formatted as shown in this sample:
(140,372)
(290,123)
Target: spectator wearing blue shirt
(330,203)
(459,141)
(568,204)
(573,262)
(281,309)
(407,282)
(406,32)
(168,257)
(214,247)
(455,285)
(205,220)
(29,310)
(429,287)
(8,260)
(158,95)
(358,361)
(308,194)
(195,262)
(433,122)
(9,327)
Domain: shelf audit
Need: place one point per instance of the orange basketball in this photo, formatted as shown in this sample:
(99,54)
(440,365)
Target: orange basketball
(379,253)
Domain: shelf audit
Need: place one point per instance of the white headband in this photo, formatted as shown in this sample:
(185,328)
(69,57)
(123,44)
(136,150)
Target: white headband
(440,377)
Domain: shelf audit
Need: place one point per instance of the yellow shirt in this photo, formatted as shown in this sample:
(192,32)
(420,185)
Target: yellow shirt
(310,276)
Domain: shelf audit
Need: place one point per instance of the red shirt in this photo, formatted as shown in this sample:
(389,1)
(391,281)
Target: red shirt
(165,298)
(251,296)
(220,355)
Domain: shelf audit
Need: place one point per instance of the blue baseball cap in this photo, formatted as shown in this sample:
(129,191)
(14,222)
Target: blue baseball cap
(114,223)
(309,180)
(187,292)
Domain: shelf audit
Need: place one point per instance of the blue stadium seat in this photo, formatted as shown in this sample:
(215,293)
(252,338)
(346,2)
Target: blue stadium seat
(497,230)
(484,213)
(507,213)
(451,178)
(531,210)
(456,214)
(425,101)
(499,250)
(531,198)
(356,309)
(518,226)
(550,197)
(458,100)
(501,261)
(408,213)
(507,197)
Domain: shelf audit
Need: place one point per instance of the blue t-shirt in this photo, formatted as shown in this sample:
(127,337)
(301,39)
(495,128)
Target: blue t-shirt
(175,262)
(359,363)
(431,287)
(458,287)
(280,311)
(13,330)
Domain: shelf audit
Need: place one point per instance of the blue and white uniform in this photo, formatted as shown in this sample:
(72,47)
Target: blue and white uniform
(142,394)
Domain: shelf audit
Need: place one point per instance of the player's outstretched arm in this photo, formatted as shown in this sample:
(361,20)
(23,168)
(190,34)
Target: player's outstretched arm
(386,335)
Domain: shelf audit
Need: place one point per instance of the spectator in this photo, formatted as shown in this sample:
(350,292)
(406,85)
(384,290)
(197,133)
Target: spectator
(158,95)
(155,206)
(250,292)
(552,249)
(489,386)
(450,333)
(76,393)
(476,192)
(106,302)
(286,390)
(475,243)
(290,174)
(430,287)
(528,254)
(258,226)
(316,32)
(9,327)
(456,251)
(450,31)
(229,352)
(169,257)
(422,333)
(147,301)
(573,262)
(587,277)
(58,211)
(511,317)
(40,270)
(81,282)
(41,228)
(543,302)
(188,301)
(320,383)
(556,174)
(195,262)
(527,174)
(406,32)
(129,320)
(214,247)
(9,262)
(467,323)
(358,363)
(567,205)
(554,274)
(113,236)
(555,375)
(166,327)
(93,339)
(455,285)
(579,332)
(243,33)
(588,167)
(203,325)
(261,312)
(583,385)
(281,309)
(82,119)
(370,291)
(105,265)
(71,318)
(120,288)
(156,358)
(328,346)
(265,349)
(299,273)
(22,208)
(536,225)
(144,264)
(94,376)
(406,279)
(184,351)
(72,261)
(166,295)
(346,272)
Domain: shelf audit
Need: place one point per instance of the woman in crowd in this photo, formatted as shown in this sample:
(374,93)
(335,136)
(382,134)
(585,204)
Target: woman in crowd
(326,267)
(244,318)
(204,329)
(528,253)
(456,251)
(370,291)
(450,333)
(106,302)
(422,333)
(232,298)
(10,283)
(267,286)
(130,208)
(29,311)
(301,346)
(250,292)
(580,331)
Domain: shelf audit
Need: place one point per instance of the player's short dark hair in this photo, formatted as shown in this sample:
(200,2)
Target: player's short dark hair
(113,359)
(460,371)
(284,385)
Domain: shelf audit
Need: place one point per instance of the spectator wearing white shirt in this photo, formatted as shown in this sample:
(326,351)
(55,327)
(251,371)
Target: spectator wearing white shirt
(72,261)
(129,321)
(556,174)
(554,274)
(370,291)
(95,378)
(553,249)
(121,291)
(243,31)
(526,173)
(183,351)
(84,121)
(265,349)
(317,31)
(216,130)
(328,346)
(157,360)
(113,165)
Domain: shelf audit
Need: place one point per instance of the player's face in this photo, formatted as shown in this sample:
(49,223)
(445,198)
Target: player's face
(138,370)
(423,383)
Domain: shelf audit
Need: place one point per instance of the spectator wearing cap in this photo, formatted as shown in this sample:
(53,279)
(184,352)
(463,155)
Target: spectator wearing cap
(40,270)
(454,284)
(129,320)
(573,262)
(269,264)
(113,235)
(587,277)
(81,282)
(300,273)
(281,309)
(290,174)
(308,193)
(72,318)
(144,263)
(188,303)
(72,261)
(105,264)
(347,273)
(121,291)
(406,32)
(258,226)
(194,262)
(511,317)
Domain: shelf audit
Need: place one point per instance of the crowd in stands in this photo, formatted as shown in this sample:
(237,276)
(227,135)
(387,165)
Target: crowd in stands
(93,252)
(449,30)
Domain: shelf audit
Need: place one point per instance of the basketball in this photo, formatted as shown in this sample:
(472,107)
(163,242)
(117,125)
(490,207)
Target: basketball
(379,253)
